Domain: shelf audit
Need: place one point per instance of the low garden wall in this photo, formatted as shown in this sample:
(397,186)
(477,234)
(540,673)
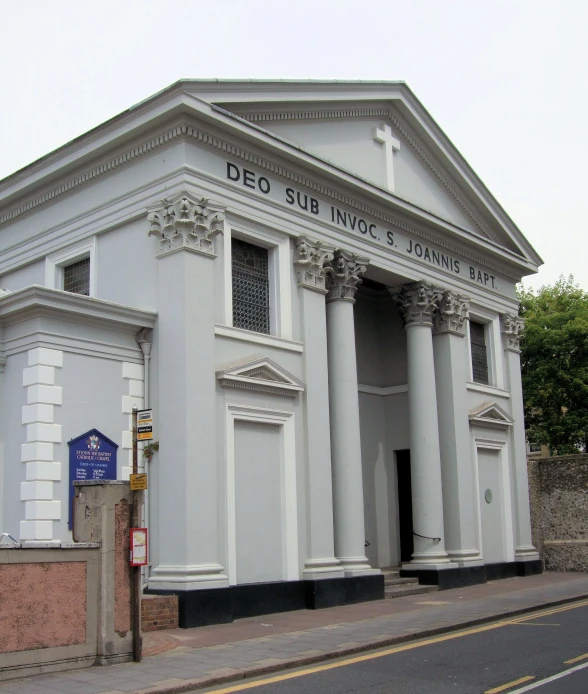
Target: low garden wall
(558,489)
(68,605)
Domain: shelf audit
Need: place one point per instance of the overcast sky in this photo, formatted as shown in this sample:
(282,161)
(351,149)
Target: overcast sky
(506,80)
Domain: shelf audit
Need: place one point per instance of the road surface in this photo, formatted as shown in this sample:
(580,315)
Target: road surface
(545,653)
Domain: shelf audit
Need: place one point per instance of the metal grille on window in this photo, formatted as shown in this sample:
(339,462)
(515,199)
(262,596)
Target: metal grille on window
(479,355)
(251,308)
(76,277)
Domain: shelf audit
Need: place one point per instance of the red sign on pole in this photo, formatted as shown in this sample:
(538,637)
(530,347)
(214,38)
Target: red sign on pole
(138,547)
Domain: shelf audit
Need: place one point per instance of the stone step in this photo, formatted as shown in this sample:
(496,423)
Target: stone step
(397,581)
(390,570)
(404,590)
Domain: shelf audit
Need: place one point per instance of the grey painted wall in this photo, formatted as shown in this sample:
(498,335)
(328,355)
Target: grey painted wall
(23,276)
(127,269)
(92,398)
(13,432)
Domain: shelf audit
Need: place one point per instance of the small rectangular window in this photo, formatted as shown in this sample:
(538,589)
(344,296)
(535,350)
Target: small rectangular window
(534,448)
(251,290)
(76,277)
(479,352)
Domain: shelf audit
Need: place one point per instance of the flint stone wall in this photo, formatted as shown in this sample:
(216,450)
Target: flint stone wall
(558,489)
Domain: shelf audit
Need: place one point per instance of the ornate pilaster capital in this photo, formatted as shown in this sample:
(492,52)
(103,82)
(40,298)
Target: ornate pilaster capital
(184,222)
(344,275)
(511,327)
(310,262)
(417,303)
(452,314)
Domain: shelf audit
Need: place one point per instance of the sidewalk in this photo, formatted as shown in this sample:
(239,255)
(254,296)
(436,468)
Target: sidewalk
(181,659)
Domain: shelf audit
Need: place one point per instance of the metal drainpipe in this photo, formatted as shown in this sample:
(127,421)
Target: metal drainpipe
(145,345)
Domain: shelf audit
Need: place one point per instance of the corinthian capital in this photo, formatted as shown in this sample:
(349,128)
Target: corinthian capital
(417,302)
(344,275)
(185,223)
(511,327)
(310,262)
(452,314)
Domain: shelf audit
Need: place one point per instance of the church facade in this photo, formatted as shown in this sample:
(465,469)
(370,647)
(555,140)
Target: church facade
(315,294)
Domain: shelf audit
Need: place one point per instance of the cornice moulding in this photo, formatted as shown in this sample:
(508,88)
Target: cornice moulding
(131,123)
(99,349)
(92,174)
(36,300)
(193,133)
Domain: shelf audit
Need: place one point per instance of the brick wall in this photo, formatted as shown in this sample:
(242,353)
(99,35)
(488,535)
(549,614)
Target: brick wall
(159,612)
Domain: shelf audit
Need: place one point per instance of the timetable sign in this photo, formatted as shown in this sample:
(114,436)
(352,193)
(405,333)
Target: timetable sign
(144,425)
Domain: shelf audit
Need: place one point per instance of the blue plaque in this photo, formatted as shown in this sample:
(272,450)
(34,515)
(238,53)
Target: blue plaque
(92,456)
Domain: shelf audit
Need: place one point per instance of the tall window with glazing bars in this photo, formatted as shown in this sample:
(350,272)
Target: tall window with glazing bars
(251,290)
(479,352)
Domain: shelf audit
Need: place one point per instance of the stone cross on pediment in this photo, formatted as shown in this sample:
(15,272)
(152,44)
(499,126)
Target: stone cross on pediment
(383,134)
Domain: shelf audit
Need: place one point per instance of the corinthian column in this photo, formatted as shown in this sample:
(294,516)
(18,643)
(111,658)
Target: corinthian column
(309,263)
(512,328)
(457,470)
(342,283)
(416,303)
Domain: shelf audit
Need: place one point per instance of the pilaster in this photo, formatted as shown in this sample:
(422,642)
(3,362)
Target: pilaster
(343,279)
(512,327)
(457,469)
(190,545)
(309,262)
(417,303)
(42,433)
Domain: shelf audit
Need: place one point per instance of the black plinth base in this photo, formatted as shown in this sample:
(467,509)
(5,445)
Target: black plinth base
(197,608)
(473,575)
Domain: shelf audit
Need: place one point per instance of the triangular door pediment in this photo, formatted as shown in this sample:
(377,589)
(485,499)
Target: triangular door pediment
(490,414)
(261,374)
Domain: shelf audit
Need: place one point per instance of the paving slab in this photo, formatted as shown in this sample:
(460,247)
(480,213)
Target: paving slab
(180,660)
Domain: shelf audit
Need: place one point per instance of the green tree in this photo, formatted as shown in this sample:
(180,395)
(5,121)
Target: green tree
(554,364)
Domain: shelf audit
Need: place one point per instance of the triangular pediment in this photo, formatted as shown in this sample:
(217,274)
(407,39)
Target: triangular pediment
(490,414)
(259,373)
(346,137)
(318,136)
(338,122)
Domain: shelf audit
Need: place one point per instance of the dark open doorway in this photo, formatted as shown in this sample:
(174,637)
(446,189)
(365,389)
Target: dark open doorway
(404,505)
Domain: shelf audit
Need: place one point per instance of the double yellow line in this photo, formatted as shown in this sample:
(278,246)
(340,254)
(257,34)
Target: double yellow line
(406,647)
